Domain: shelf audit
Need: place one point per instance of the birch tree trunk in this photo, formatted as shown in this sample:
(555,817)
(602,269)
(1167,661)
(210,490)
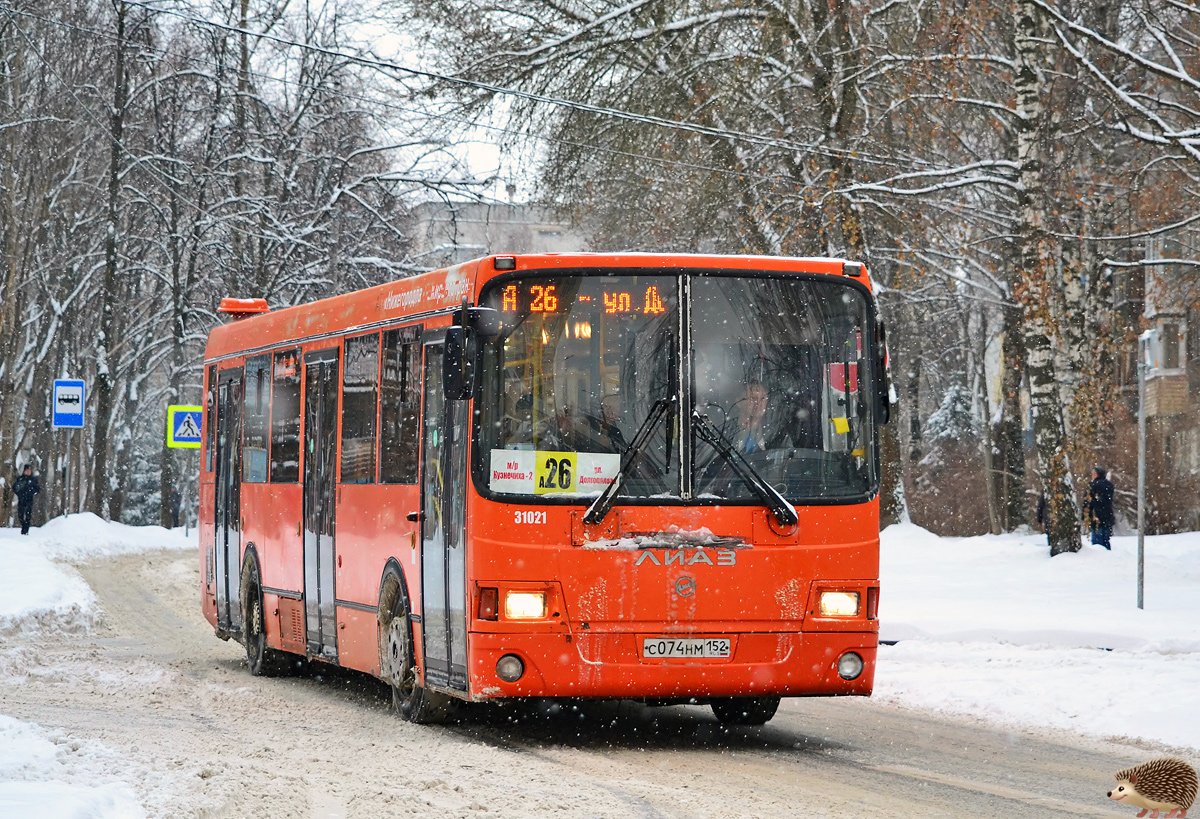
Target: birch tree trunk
(1036,281)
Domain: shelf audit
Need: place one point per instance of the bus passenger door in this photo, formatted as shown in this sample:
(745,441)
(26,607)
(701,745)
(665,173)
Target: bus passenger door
(443,523)
(228,517)
(320,466)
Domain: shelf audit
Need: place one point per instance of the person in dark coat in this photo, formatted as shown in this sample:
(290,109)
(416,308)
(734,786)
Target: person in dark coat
(1100,507)
(1043,514)
(25,488)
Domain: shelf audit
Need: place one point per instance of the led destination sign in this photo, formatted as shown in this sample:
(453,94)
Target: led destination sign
(545,298)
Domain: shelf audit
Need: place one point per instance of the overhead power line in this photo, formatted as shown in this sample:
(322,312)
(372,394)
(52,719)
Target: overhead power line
(444,117)
(647,119)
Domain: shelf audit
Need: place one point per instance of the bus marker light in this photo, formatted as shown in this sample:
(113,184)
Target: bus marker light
(505,263)
(839,604)
(523,605)
(489,603)
(243,308)
(850,665)
(510,668)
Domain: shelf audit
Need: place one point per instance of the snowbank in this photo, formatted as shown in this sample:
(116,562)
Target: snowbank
(82,537)
(42,774)
(1008,589)
(35,594)
(995,628)
(38,594)
(57,779)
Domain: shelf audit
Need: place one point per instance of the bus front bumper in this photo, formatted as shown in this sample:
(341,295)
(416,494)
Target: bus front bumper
(612,665)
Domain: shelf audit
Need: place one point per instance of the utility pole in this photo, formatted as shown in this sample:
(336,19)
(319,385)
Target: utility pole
(1147,361)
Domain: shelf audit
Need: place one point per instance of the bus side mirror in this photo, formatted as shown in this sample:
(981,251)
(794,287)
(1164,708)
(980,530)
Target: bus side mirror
(458,363)
(887,394)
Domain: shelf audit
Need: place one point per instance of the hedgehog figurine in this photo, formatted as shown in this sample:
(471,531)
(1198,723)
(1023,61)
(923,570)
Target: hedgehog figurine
(1165,784)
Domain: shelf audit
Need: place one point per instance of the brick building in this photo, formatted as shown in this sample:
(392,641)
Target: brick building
(1164,295)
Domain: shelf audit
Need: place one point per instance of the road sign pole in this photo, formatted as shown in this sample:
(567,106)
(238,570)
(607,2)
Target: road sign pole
(80,487)
(1141,484)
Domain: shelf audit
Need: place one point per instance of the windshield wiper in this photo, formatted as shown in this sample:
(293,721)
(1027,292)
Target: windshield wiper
(784,512)
(602,504)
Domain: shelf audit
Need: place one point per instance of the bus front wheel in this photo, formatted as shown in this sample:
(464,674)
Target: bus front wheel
(413,701)
(744,710)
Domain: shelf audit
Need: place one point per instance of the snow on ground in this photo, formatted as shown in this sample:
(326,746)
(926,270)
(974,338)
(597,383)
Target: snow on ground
(44,774)
(994,627)
(51,776)
(37,593)
(82,537)
(990,627)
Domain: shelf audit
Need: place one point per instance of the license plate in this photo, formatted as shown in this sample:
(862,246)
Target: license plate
(670,648)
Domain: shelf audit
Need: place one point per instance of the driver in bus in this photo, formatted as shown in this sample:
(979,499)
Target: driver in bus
(751,410)
(748,438)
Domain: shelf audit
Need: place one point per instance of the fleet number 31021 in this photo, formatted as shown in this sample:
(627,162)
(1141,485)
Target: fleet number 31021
(530,518)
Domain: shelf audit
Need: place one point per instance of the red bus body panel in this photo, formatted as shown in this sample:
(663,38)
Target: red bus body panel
(605,594)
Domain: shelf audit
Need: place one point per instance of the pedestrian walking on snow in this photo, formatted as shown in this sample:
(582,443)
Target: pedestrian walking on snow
(1100,507)
(25,488)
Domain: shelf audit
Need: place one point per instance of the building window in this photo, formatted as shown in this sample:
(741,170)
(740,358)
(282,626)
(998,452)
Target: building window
(257,419)
(360,379)
(1129,288)
(1170,338)
(285,419)
(400,406)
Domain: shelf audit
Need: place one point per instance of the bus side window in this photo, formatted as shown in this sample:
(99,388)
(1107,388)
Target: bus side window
(257,419)
(360,377)
(210,431)
(285,418)
(400,406)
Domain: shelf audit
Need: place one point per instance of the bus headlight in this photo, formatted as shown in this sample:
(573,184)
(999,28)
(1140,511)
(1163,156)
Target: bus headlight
(839,604)
(525,605)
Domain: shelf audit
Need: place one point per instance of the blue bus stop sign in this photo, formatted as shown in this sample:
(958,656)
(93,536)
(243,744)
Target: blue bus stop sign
(67,403)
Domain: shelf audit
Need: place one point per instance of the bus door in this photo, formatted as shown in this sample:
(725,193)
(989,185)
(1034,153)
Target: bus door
(228,517)
(320,466)
(443,536)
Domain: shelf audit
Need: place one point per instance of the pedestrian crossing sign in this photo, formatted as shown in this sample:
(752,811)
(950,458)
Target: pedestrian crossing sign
(183,426)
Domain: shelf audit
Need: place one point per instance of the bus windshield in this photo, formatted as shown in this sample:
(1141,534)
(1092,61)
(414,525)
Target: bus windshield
(775,377)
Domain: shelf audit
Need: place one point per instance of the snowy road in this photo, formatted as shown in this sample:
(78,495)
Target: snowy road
(152,698)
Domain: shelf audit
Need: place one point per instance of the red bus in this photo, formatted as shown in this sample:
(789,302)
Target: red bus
(580,475)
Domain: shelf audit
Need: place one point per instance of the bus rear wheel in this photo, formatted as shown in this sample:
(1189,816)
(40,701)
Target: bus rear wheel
(744,710)
(397,666)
